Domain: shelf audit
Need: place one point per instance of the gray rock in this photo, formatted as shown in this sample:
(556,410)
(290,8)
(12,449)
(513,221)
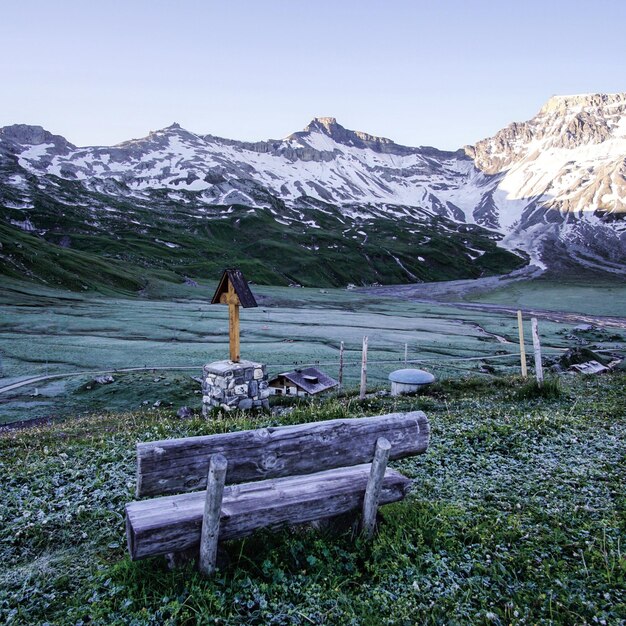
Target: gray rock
(104,380)
(184,412)
(245,404)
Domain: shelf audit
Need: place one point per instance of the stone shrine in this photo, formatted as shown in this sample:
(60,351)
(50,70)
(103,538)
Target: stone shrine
(234,384)
(230,385)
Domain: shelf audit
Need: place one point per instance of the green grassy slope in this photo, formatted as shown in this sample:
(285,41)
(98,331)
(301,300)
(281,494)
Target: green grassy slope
(583,292)
(82,236)
(517,517)
(27,257)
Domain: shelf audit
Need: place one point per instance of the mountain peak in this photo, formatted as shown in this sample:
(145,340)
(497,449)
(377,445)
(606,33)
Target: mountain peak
(559,104)
(32,135)
(326,125)
(327,122)
(331,128)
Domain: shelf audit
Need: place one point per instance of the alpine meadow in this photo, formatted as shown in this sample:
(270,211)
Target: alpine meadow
(332,378)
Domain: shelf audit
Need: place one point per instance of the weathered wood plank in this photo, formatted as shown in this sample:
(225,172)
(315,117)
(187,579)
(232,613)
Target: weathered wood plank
(522,347)
(374,486)
(363,386)
(340,379)
(537,349)
(178,465)
(210,530)
(173,523)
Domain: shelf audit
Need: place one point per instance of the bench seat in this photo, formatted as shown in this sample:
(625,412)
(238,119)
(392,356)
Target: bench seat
(173,523)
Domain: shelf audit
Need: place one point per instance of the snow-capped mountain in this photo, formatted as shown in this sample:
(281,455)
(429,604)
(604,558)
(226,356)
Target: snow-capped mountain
(561,179)
(324,161)
(553,187)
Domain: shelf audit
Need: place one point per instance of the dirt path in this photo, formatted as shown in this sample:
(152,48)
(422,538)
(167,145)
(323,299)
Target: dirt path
(36,379)
(553,316)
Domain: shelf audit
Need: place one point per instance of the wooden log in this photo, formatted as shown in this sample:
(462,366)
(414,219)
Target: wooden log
(537,349)
(341,365)
(209,533)
(374,486)
(522,347)
(173,523)
(177,465)
(363,389)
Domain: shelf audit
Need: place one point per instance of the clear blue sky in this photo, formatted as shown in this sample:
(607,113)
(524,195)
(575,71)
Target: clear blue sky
(442,73)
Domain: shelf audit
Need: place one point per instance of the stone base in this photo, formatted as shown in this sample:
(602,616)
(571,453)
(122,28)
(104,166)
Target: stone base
(229,386)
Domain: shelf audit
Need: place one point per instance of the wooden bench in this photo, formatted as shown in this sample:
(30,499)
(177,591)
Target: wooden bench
(274,476)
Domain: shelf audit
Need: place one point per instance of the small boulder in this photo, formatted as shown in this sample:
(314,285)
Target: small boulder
(184,412)
(104,380)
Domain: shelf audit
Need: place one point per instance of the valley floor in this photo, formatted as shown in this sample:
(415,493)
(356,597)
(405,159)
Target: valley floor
(47,332)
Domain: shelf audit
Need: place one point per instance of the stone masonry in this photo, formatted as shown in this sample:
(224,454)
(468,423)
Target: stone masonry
(231,386)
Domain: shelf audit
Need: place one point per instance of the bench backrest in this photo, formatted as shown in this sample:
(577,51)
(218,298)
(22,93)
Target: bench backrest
(181,465)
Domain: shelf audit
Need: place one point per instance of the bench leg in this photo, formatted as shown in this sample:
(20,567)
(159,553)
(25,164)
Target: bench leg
(212,510)
(374,486)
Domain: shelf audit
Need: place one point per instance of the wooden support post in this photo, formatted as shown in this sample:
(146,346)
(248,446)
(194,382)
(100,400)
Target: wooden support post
(374,486)
(233,323)
(212,510)
(363,390)
(537,348)
(522,348)
(341,365)
(406,352)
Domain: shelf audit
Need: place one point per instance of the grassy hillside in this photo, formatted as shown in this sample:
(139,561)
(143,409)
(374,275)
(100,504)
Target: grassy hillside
(517,517)
(93,241)
(583,292)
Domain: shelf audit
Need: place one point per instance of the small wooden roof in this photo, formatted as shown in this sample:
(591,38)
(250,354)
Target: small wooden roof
(240,285)
(309,379)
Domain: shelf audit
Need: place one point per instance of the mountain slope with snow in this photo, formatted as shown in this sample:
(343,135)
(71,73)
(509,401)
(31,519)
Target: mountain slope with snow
(552,188)
(561,180)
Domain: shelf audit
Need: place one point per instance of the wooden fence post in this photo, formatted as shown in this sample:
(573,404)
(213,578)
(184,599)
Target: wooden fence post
(341,365)
(374,486)
(522,348)
(363,390)
(211,518)
(537,348)
(406,352)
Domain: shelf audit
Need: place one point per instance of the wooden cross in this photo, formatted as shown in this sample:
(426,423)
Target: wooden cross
(233,290)
(232,300)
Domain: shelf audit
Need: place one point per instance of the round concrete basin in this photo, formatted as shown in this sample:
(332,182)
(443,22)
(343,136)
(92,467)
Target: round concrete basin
(409,380)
